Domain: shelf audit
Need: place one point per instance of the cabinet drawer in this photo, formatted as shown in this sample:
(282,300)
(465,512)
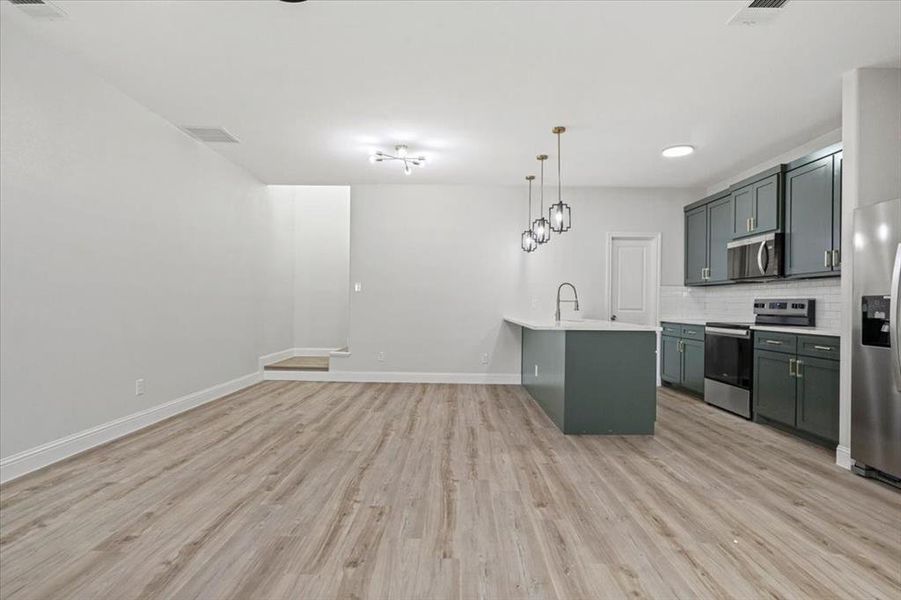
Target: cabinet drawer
(818,346)
(777,342)
(693,332)
(672,329)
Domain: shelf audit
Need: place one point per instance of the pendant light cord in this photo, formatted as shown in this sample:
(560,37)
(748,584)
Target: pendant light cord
(529,222)
(541,190)
(559,176)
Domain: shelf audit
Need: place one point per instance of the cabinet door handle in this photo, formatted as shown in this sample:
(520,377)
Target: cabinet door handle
(753,223)
(826,348)
(748,224)
(798,371)
(690,332)
(836,258)
(773,342)
(792,369)
(827,259)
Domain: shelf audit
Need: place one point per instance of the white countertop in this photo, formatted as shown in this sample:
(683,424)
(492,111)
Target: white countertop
(780,328)
(584,325)
(798,330)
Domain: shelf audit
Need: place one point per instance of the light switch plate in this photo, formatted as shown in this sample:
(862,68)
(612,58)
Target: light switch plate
(358,287)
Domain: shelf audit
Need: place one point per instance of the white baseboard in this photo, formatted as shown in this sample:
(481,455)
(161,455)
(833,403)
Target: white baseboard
(314,351)
(843,457)
(33,459)
(395,377)
(275,357)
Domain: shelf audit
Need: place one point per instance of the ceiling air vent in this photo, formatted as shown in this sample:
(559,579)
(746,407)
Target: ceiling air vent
(39,9)
(767,4)
(758,12)
(211,135)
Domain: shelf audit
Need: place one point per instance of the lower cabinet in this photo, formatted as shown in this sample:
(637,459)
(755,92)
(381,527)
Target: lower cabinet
(693,365)
(817,397)
(682,356)
(774,386)
(796,389)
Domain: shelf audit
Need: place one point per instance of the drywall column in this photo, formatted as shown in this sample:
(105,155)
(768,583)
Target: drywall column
(871,172)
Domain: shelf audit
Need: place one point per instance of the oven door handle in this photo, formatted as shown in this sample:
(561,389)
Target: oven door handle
(729,332)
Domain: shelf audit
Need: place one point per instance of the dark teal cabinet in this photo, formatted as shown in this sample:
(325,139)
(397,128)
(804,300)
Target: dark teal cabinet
(757,205)
(813,217)
(719,233)
(696,246)
(818,389)
(670,359)
(693,365)
(682,356)
(774,386)
(796,383)
(708,228)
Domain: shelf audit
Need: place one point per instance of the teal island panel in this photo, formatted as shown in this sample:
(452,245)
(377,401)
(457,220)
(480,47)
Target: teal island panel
(593,382)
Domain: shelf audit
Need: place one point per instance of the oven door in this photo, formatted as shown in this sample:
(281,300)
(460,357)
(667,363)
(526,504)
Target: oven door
(727,356)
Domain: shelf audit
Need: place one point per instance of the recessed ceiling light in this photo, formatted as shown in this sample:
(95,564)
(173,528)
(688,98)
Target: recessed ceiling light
(674,151)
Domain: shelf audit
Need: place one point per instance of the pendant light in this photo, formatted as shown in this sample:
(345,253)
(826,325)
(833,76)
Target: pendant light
(559,214)
(528,242)
(540,226)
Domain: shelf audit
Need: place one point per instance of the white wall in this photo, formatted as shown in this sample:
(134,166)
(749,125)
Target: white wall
(817,143)
(321,263)
(871,173)
(441,265)
(127,250)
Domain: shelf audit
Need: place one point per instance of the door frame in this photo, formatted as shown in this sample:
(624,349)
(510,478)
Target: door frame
(652,237)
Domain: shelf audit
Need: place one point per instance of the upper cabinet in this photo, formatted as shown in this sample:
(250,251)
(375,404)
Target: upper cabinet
(707,231)
(696,246)
(801,199)
(757,204)
(813,215)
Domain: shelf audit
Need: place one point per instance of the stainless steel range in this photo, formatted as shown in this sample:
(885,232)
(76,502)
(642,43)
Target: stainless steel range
(729,351)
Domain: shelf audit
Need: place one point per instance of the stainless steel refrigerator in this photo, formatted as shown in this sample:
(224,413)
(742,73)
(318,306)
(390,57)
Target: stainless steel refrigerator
(875,351)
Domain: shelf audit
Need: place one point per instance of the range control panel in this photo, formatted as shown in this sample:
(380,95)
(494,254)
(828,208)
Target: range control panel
(799,312)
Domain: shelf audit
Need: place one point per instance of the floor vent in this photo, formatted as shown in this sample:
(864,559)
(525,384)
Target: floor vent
(758,12)
(39,9)
(211,135)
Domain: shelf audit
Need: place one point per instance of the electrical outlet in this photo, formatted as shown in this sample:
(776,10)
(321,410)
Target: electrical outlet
(380,357)
(358,287)
(536,370)
(139,387)
(485,358)
(534,302)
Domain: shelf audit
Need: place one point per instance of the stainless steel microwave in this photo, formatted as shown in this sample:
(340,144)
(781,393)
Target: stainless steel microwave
(758,257)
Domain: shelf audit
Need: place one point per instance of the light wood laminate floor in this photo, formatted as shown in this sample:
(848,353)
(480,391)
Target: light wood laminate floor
(321,490)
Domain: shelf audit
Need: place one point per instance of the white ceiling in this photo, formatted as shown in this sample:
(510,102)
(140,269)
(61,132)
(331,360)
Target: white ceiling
(311,88)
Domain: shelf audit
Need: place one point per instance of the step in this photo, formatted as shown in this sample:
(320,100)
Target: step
(300,363)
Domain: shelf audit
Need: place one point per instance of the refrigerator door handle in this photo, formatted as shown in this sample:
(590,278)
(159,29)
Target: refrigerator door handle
(894,317)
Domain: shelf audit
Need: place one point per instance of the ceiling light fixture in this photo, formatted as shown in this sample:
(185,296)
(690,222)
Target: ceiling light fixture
(528,241)
(540,226)
(402,154)
(676,151)
(559,214)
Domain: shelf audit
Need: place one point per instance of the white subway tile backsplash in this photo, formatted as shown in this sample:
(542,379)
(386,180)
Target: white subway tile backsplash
(735,302)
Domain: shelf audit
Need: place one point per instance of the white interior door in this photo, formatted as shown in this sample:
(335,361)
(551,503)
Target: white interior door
(633,271)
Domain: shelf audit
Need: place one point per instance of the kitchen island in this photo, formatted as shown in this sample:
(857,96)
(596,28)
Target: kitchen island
(591,376)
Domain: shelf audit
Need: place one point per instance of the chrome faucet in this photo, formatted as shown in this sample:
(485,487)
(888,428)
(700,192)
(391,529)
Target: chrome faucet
(575,301)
